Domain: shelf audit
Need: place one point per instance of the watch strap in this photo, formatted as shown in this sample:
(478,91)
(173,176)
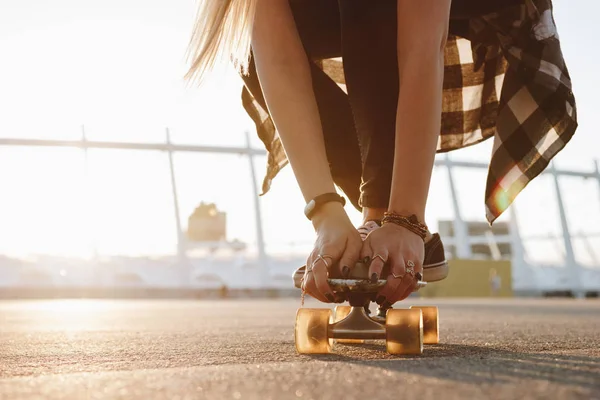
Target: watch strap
(315,204)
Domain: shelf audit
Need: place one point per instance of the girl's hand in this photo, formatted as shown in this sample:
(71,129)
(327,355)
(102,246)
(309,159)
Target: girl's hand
(403,252)
(336,251)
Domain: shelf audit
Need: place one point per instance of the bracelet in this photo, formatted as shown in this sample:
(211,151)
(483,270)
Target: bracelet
(316,203)
(410,222)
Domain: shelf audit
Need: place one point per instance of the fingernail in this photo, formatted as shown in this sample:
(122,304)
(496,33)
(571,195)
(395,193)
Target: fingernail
(374,277)
(345,271)
(380,300)
(330,297)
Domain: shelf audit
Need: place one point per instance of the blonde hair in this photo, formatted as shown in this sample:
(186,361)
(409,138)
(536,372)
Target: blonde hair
(222,33)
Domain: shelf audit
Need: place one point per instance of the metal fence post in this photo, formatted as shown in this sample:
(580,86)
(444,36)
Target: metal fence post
(461,232)
(181,247)
(260,240)
(569,253)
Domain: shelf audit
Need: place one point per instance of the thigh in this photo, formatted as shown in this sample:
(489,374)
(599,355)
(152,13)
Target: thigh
(318,24)
(371,70)
(464,9)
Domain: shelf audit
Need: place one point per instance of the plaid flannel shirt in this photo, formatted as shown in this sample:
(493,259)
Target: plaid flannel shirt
(505,78)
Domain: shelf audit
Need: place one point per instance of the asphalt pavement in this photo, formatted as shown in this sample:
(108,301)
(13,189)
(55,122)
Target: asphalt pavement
(236,349)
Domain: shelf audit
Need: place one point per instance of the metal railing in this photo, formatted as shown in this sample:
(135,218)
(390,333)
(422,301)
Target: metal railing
(461,241)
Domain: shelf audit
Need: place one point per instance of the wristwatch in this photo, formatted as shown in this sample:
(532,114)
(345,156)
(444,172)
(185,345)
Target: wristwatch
(316,203)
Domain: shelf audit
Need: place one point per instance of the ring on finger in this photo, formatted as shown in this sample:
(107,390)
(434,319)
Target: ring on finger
(399,276)
(322,257)
(380,257)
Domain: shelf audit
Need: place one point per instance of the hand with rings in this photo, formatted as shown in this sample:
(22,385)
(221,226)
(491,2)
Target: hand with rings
(396,255)
(335,252)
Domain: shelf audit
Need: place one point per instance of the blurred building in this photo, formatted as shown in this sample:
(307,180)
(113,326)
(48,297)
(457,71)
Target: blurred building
(483,239)
(207,224)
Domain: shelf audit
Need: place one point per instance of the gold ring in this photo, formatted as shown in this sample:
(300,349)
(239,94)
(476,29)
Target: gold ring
(397,276)
(410,270)
(378,256)
(321,257)
(410,263)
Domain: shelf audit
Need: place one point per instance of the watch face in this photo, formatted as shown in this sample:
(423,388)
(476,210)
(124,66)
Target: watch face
(310,207)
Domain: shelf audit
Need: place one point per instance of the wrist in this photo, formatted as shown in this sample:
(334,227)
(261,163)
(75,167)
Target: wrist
(410,222)
(318,201)
(328,211)
(407,198)
(405,210)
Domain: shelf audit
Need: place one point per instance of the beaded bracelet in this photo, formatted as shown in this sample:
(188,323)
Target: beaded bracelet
(410,222)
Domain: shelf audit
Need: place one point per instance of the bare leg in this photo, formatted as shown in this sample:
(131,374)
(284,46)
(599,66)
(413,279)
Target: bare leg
(372,214)
(369,38)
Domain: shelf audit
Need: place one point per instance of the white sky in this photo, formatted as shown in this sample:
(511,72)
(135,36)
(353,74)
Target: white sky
(116,66)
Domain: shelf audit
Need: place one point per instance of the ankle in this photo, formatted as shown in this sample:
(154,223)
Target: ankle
(428,237)
(373,214)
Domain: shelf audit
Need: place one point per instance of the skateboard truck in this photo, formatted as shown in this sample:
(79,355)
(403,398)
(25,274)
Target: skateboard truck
(356,325)
(404,330)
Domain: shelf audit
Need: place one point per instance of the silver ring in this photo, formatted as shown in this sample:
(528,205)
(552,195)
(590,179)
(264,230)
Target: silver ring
(410,270)
(397,276)
(378,256)
(410,263)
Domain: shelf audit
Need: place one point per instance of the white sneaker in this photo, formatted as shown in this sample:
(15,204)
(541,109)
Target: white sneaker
(367,228)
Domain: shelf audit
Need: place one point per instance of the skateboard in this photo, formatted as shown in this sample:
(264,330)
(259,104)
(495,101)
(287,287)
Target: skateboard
(405,331)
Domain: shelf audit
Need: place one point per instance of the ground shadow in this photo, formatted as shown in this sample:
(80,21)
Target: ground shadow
(482,364)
